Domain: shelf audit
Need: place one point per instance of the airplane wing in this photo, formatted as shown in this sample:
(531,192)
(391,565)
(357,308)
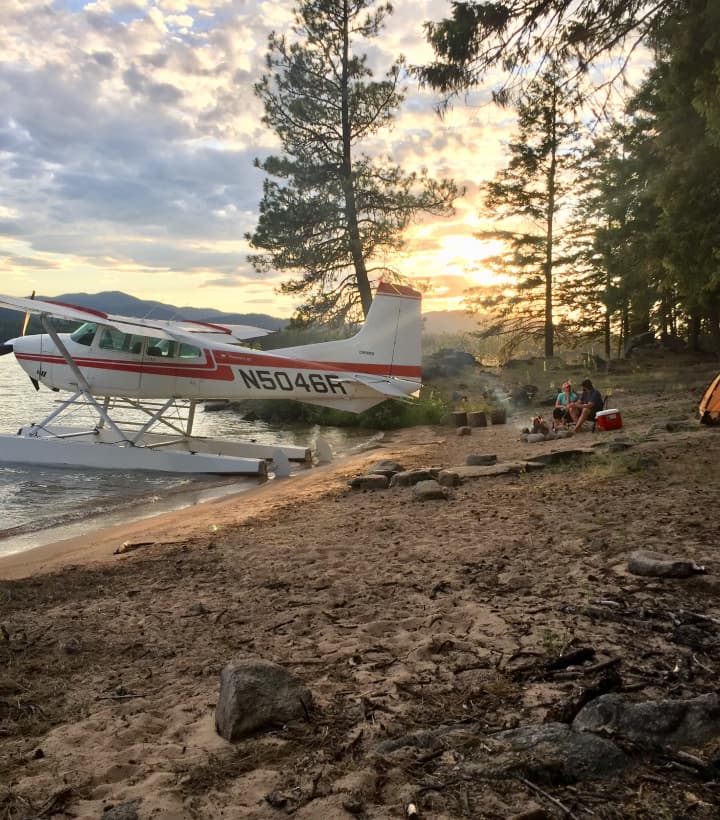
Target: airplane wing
(214,332)
(185,331)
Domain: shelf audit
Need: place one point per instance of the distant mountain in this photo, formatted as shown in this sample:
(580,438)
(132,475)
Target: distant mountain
(114,301)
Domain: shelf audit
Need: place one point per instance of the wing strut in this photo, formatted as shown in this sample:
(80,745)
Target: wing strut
(83,386)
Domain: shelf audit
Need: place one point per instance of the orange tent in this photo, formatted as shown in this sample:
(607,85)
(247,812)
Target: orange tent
(709,407)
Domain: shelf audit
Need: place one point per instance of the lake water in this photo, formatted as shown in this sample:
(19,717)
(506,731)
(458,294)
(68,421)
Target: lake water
(34,499)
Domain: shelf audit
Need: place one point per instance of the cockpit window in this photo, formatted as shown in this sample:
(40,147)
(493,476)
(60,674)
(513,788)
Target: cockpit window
(172,350)
(84,334)
(189,351)
(112,339)
(160,347)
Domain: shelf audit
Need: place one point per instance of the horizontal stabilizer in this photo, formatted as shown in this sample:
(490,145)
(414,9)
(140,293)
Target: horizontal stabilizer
(387,387)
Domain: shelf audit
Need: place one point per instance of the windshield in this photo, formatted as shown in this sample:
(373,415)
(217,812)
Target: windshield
(84,334)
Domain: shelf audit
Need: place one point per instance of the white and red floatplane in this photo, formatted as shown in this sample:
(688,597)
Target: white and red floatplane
(164,368)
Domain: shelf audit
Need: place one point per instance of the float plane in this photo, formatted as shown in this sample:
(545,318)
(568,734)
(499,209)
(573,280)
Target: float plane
(162,369)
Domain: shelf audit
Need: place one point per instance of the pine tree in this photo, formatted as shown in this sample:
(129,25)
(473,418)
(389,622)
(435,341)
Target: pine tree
(329,212)
(518,38)
(526,198)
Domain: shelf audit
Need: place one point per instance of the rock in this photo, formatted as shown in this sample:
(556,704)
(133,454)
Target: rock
(446,363)
(372,481)
(658,565)
(533,438)
(503,468)
(561,456)
(464,430)
(640,340)
(123,811)
(617,445)
(478,460)
(387,467)
(448,478)
(551,753)
(353,806)
(257,694)
(429,491)
(673,426)
(692,722)
(408,478)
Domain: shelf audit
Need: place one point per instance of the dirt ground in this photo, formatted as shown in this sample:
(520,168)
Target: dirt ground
(398,615)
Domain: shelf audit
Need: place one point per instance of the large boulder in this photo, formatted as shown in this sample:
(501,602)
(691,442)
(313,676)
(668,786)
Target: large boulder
(258,694)
(676,723)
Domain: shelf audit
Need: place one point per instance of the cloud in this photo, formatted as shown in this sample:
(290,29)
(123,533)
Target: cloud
(128,132)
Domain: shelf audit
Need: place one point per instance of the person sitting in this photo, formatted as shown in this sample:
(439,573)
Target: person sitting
(591,402)
(565,411)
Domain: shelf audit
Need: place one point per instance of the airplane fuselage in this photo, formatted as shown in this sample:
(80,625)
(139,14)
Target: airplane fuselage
(151,369)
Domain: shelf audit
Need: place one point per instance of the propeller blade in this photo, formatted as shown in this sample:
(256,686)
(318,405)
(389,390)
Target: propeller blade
(26,321)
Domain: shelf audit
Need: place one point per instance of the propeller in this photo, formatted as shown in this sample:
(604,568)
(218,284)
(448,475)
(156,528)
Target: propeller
(7,346)
(26,320)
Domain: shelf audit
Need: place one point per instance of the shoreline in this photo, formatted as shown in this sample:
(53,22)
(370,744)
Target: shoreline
(187,516)
(176,498)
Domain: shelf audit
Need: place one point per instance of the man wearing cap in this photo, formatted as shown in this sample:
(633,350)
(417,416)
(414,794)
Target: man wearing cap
(565,409)
(591,402)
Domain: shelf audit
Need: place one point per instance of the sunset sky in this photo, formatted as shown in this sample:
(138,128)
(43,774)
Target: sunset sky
(128,131)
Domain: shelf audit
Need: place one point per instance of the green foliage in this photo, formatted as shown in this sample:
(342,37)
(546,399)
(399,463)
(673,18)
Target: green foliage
(522,39)
(388,415)
(652,195)
(329,213)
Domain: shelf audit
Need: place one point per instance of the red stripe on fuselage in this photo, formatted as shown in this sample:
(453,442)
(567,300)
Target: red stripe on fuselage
(268,360)
(224,359)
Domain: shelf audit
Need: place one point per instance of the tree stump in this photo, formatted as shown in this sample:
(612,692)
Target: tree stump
(477,419)
(459,418)
(498,416)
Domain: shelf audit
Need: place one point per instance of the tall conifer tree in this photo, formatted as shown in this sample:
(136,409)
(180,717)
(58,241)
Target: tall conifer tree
(329,212)
(525,198)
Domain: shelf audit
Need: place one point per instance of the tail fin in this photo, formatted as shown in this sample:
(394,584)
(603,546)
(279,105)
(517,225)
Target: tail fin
(387,345)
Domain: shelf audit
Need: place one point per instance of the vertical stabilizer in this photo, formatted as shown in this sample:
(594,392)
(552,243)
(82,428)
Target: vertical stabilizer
(387,345)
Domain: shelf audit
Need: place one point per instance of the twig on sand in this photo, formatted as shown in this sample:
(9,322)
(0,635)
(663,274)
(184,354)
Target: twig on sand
(127,695)
(547,796)
(55,803)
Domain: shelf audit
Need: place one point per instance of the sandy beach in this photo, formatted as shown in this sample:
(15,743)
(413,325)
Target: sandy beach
(400,616)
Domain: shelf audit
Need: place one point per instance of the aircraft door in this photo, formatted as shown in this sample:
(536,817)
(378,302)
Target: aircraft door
(119,360)
(171,369)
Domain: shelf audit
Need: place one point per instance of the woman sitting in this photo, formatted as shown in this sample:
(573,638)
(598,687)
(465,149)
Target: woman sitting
(565,411)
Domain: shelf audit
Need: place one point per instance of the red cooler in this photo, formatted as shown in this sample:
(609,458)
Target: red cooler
(608,420)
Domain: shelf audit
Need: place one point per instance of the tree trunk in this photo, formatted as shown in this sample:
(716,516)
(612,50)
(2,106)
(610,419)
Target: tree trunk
(714,323)
(361,275)
(694,331)
(549,329)
(606,334)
